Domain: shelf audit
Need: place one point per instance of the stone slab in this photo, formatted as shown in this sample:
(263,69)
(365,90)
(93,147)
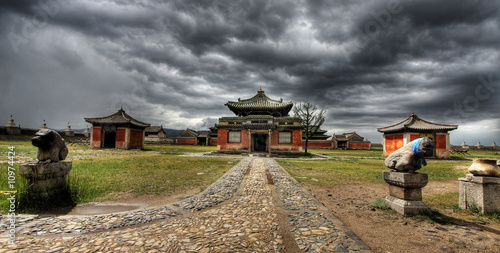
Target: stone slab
(483,179)
(408,207)
(405,179)
(414,194)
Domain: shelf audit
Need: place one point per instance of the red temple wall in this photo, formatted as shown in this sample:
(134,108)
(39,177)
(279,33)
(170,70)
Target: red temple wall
(213,142)
(222,139)
(359,145)
(245,142)
(186,141)
(96,137)
(317,144)
(296,141)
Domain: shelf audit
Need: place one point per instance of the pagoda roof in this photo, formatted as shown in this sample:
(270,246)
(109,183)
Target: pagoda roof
(415,123)
(260,102)
(119,117)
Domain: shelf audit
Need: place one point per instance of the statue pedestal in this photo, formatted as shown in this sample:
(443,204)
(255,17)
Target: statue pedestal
(479,193)
(48,187)
(405,190)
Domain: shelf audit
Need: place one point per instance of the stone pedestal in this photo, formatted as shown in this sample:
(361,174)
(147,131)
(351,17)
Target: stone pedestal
(480,193)
(47,183)
(405,190)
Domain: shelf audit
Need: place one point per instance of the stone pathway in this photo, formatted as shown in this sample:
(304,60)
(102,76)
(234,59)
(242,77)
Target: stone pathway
(255,207)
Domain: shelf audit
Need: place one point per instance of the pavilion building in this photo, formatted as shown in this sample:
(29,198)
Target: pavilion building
(261,124)
(118,130)
(398,135)
(350,141)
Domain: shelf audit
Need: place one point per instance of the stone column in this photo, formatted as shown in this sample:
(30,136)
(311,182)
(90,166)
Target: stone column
(249,141)
(269,141)
(405,190)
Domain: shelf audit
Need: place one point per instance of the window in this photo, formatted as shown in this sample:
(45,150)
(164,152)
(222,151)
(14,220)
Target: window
(285,137)
(234,136)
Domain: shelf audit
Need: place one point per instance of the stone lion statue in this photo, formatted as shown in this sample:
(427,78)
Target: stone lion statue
(51,146)
(410,157)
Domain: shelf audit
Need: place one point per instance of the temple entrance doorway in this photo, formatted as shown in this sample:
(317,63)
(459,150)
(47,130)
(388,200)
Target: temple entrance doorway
(260,142)
(109,137)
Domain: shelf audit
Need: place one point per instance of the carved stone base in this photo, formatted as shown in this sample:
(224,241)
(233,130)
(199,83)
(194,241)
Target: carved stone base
(47,187)
(405,190)
(406,207)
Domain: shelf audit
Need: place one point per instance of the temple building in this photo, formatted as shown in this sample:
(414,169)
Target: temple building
(192,137)
(261,124)
(350,141)
(397,135)
(118,130)
(154,133)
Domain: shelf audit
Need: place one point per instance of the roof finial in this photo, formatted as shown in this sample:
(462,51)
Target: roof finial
(412,112)
(260,88)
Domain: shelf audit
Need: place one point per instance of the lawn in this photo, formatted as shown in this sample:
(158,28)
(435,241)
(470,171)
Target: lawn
(347,170)
(98,173)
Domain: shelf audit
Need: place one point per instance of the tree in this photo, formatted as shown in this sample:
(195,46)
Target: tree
(311,120)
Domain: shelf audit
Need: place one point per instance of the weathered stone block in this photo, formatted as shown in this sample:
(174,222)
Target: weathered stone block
(481,193)
(406,207)
(414,194)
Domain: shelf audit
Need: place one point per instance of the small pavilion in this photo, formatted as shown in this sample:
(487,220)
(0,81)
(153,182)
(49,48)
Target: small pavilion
(118,130)
(261,124)
(398,135)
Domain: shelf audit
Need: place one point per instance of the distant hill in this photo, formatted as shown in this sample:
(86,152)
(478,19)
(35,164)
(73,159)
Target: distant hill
(172,132)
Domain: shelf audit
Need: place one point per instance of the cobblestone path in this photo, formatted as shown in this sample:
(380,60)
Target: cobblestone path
(255,207)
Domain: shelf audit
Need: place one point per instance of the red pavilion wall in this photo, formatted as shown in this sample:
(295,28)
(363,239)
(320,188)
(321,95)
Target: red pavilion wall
(392,143)
(136,139)
(441,141)
(121,134)
(96,137)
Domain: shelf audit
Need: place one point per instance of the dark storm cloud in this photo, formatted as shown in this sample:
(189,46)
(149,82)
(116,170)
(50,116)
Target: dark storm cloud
(176,63)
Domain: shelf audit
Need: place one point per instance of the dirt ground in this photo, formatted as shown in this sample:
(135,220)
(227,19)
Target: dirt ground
(382,231)
(387,231)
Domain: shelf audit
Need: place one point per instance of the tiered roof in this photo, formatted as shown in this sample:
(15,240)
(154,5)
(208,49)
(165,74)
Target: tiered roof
(416,124)
(119,117)
(260,104)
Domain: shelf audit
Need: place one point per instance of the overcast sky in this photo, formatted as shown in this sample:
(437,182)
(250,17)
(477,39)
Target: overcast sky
(369,64)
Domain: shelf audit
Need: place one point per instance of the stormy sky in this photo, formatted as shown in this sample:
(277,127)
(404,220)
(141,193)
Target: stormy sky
(369,64)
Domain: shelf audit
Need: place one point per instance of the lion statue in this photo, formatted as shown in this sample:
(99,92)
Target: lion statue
(410,157)
(51,146)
